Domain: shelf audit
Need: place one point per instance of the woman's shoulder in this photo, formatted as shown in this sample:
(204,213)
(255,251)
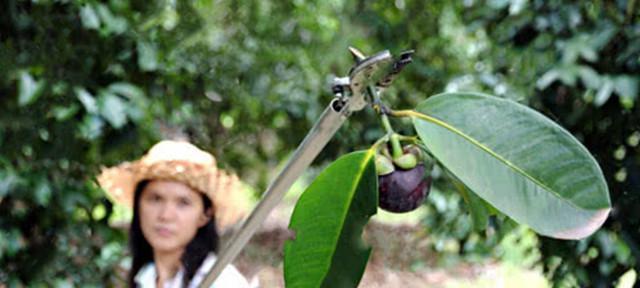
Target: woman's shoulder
(230,276)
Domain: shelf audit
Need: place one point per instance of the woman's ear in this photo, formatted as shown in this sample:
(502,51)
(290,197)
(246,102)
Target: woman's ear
(205,217)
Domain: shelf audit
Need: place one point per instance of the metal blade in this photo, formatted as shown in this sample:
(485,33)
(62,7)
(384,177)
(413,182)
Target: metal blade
(367,72)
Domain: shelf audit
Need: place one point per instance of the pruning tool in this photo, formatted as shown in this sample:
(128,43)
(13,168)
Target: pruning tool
(366,79)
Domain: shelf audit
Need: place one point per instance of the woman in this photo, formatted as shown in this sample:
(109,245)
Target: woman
(179,198)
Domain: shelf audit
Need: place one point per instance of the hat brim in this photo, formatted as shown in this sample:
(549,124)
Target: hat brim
(225,190)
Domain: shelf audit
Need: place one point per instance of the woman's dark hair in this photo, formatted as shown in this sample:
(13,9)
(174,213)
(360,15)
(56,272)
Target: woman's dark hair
(205,241)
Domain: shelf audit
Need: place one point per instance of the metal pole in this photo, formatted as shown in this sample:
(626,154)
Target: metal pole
(323,130)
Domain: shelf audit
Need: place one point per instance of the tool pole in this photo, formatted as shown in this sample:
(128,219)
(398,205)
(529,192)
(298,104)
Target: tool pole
(323,130)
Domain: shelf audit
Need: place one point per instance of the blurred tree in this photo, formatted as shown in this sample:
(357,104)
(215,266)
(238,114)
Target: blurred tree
(580,64)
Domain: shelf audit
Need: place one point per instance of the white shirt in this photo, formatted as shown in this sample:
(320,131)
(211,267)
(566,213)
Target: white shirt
(230,276)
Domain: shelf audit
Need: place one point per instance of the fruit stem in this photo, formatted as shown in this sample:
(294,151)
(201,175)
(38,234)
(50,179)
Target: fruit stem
(394,138)
(396,149)
(386,124)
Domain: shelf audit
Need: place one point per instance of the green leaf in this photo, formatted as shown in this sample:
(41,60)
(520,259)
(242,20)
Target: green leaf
(519,161)
(113,24)
(135,95)
(328,221)
(87,100)
(89,17)
(132,92)
(567,74)
(8,181)
(590,78)
(147,56)
(113,109)
(15,241)
(170,18)
(579,46)
(627,87)
(42,192)
(91,127)
(29,89)
(604,92)
(62,113)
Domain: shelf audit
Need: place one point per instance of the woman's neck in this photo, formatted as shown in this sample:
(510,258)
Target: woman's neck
(167,265)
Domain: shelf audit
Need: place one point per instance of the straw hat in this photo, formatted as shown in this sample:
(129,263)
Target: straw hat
(183,162)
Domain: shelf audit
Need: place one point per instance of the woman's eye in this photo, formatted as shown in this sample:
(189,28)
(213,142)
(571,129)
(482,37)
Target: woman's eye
(154,198)
(184,202)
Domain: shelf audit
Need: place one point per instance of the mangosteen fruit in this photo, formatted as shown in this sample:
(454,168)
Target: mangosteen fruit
(403,190)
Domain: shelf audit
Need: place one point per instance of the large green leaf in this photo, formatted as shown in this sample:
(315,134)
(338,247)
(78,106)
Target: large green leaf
(521,162)
(328,221)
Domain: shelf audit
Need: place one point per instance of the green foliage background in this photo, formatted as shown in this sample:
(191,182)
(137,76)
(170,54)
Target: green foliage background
(90,83)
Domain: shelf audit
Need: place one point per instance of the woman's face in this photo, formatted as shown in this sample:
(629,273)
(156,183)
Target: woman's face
(170,215)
